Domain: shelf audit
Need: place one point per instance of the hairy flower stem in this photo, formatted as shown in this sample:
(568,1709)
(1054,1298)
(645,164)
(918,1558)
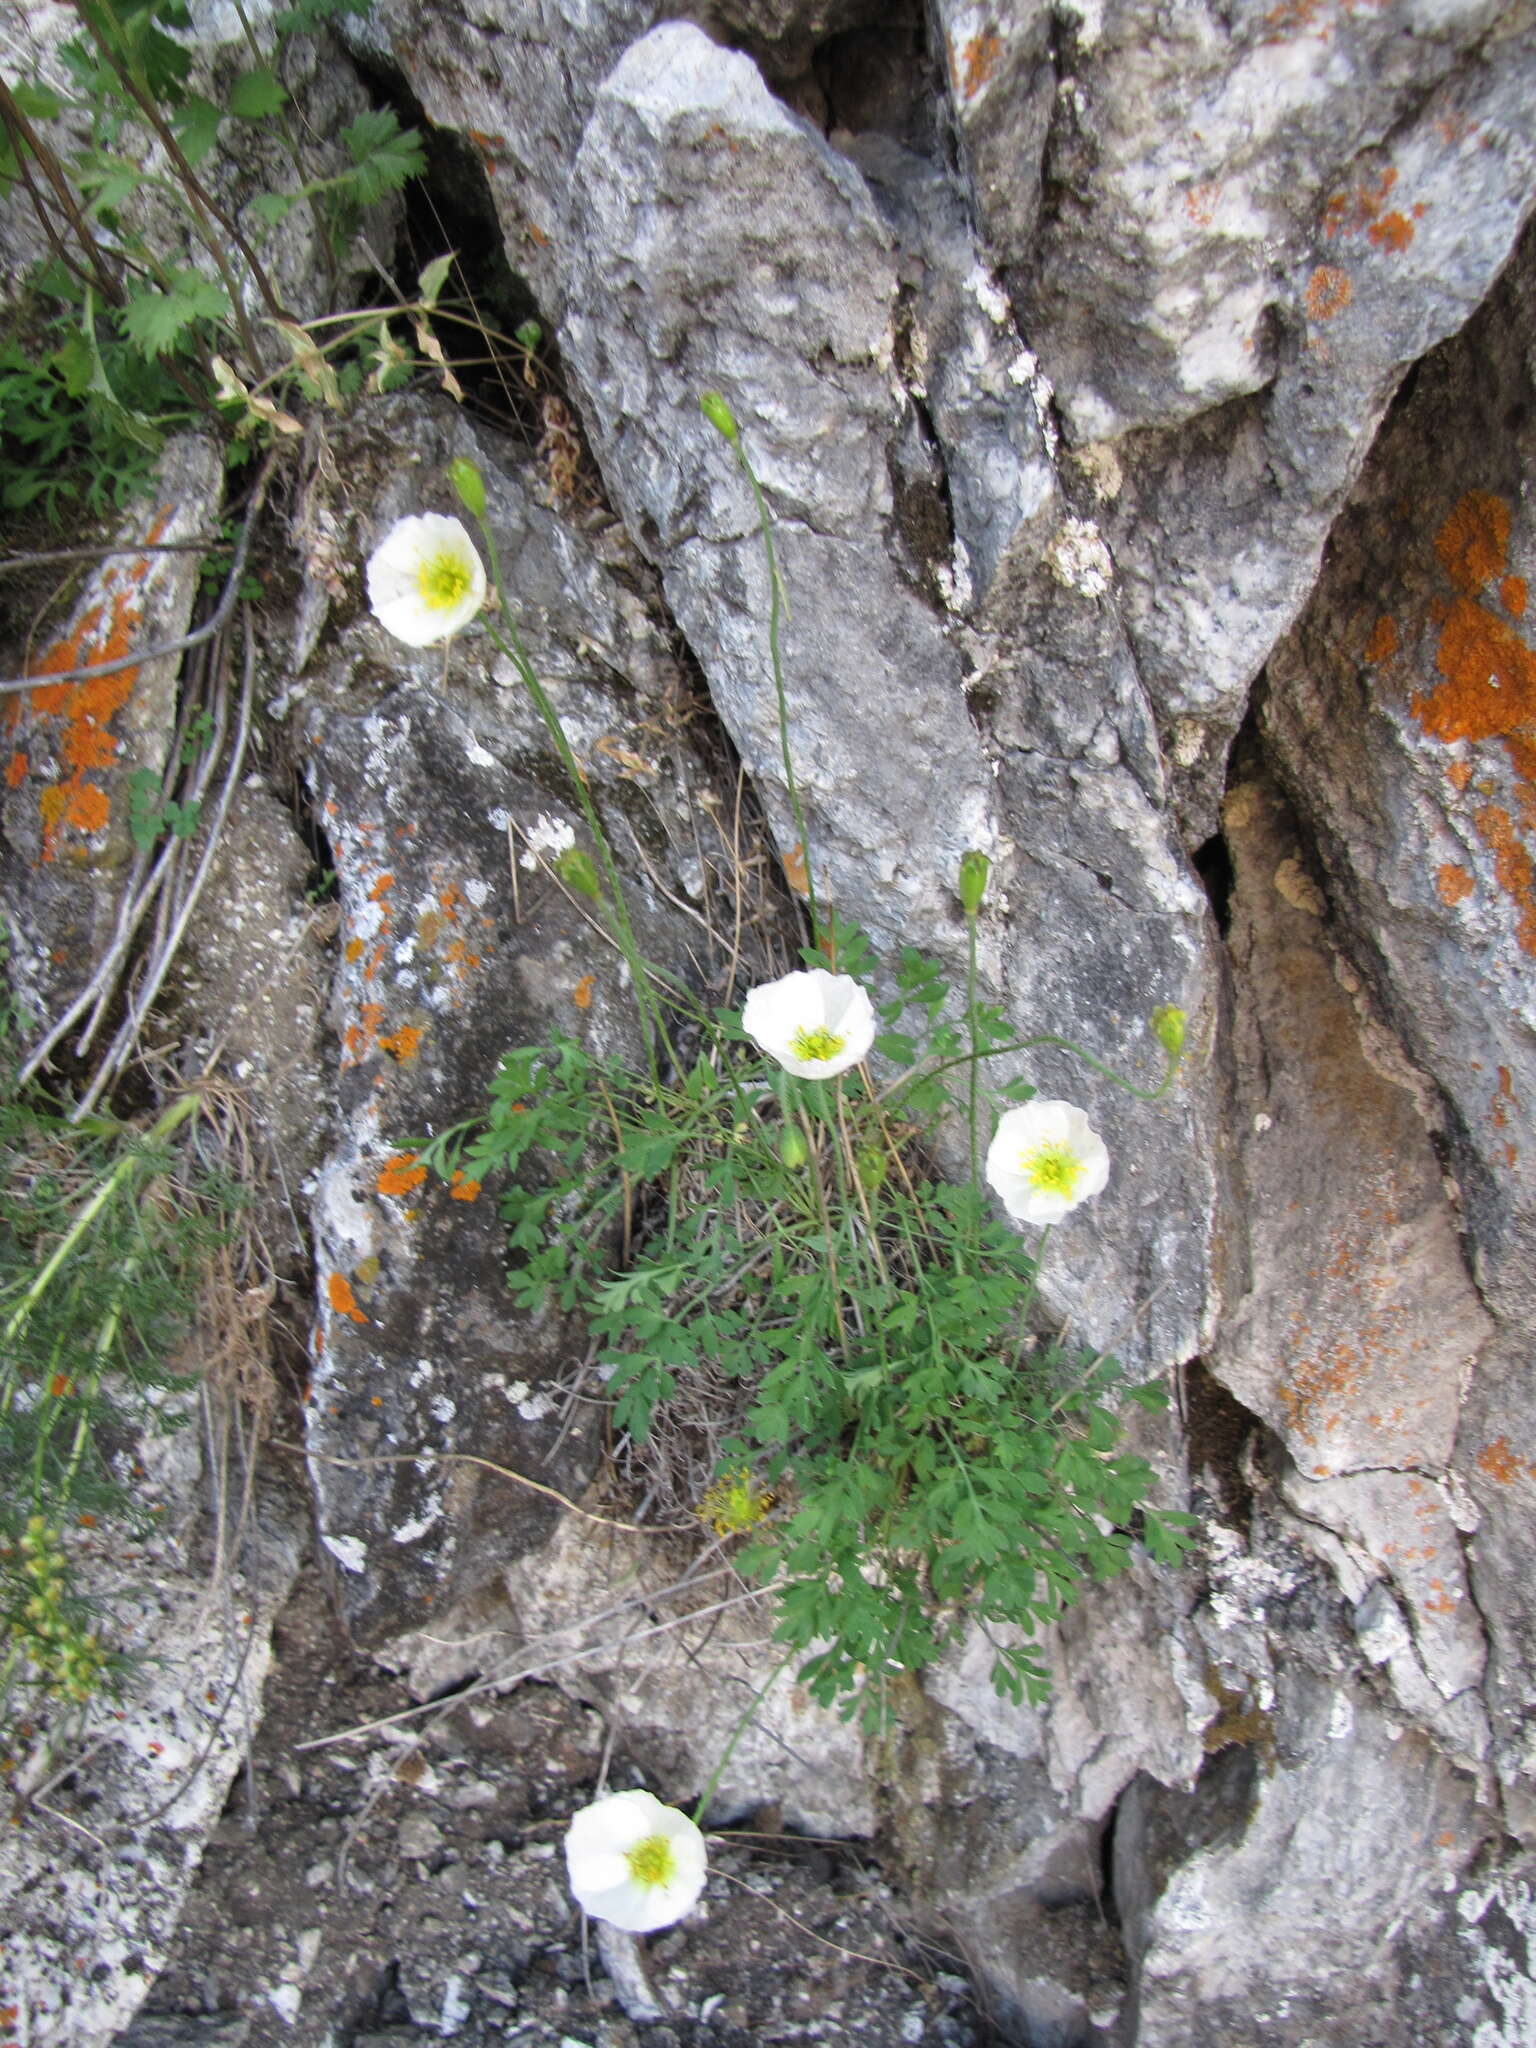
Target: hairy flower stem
(926,1073)
(970,1027)
(511,645)
(776,608)
(736,1734)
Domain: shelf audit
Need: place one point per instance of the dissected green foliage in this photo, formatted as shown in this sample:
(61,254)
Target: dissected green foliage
(825,1312)
(154,307)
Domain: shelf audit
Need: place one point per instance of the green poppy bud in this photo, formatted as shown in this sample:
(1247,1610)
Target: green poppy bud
(579,872)
(469,484)
(793,1149)
(1169,1024)
(974,869)
(720,416)
(872,1164)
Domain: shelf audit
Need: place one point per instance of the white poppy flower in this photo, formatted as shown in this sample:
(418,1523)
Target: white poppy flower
(425,579)
(1045,1158)
(814,1024)
(633,1862)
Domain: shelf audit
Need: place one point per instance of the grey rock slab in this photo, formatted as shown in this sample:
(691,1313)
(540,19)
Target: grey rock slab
(723,245)
(517,83)
(1351,1325)
(1258,222)
(1399,712)
(1403,1524)
(602,1611)
(427,779)
(1279,1924)
(1494,1451)
(94,1877)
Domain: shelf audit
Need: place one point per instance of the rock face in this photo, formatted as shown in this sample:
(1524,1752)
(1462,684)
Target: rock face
(1143,397)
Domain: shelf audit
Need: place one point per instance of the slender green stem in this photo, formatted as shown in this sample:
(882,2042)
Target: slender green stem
(927,1073)
(171,1120)
(970,1026)
(511,645)
(736,1734)
(775,611)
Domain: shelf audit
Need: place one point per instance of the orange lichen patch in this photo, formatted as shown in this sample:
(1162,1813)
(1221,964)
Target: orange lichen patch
(1453,883)
(488,146)
(462,1190)
(1200,202)
(449,900)
(1458,774)
(1290,16)
(1513,869)
(1439,1600)
(400,1174)
(381,888)
(581,994)
(16,770)
(403,1044)
(354,949)
(979,61)
(1499,1462)
(87,707)
(1512,596)
(1382,644)
(1503,1097)
(1473,544)
(1329,291)
(1393,232)
(338,1290)
(1352,213)
(795,870)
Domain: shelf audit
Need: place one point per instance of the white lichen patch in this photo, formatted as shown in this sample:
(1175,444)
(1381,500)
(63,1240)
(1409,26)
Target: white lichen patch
(1079,559)
(350,1552)
(545,840)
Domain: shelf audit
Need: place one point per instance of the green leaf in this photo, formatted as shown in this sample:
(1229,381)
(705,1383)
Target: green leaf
(197,129)
(255,95)
(434,276)
(272,208)
(384,155)
(36,101)
(156,322)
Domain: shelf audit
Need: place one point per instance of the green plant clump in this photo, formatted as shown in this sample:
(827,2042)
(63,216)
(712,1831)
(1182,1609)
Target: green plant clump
(104,1238)
(154,306)
(808,1336)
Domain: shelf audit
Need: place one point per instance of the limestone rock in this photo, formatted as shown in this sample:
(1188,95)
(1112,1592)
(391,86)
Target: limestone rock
(1399,713)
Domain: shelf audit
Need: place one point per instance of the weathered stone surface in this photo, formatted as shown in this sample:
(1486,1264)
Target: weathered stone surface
(144,1777)
(1278,1925)
(1352,1326)
(688,158)
(1400,712)
(73,746)
(426,780)
(1256,222)
(1496,1450)
(675,1659)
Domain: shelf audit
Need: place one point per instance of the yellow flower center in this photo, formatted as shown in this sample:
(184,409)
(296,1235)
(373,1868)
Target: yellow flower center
(816,1045)
(652,1862)
(734,1502)
(1054,1169)
(443,581)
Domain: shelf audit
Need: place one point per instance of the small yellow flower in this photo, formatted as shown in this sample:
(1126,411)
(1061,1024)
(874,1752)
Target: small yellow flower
(734,1503)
